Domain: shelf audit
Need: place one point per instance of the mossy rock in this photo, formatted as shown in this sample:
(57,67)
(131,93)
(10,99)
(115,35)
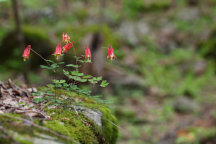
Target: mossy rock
(133,8)
(13,130)
(74,121)
(11,55)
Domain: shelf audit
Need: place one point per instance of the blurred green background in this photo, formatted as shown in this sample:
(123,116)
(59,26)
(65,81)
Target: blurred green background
(162,85)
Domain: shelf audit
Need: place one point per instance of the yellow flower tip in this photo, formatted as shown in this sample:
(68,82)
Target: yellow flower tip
(88,60)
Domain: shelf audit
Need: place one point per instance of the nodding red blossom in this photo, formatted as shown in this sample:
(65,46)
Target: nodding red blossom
(67,47)
(88,53)
(111,54)
(26,52)
(65,38)
(58,51)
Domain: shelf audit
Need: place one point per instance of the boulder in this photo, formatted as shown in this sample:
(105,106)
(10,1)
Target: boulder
(80,120)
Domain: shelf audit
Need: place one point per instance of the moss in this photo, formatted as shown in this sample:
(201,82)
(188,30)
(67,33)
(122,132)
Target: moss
(70,124)
(109,122)
(110,129)
(21,132)
(35,32)
(133,9)
(109,132)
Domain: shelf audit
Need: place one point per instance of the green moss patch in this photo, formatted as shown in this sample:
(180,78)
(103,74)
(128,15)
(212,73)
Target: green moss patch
(107,134)
(76,126)
(17,131)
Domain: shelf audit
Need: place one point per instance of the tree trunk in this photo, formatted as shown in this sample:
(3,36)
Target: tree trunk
(173,3)
(19,35)
(97,42)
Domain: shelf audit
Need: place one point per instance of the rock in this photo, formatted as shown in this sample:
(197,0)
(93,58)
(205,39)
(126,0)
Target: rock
(128,33)
(189,14)
(142,28)
(16,131)
(166,38)
(133,32)
(94,115)
(185,105)
(117,76)
(200,67)
(88,122)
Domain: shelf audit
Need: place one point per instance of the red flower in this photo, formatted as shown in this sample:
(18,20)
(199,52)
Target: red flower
(67,47)
(87,53)
(65,38)
(26,52)
(58,50)
(111,54)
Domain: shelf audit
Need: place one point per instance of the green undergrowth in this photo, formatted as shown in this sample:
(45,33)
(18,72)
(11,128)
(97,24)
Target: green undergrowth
(175,74)
(193,135)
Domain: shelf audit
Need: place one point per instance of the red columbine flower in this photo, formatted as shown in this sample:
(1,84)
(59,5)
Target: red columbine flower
(111,54)
(58,50)
(26,52)
(87,53)
(65,38)
(67,47)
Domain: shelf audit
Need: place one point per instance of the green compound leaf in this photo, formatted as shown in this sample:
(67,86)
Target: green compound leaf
(50,86)
(66,72)
(50,61)
(45,67)
(88,76)
(99,78)
(92,81)
(84,61)
(72,65)
(83,80)
(61,63)
(104,83)
(59,81)
(76,73)
(54,66)
(38,100)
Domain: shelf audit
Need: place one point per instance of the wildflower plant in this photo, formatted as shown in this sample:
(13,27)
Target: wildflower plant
(74,76)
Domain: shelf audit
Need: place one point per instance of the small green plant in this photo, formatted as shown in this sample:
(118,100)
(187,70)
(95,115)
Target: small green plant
(70,71)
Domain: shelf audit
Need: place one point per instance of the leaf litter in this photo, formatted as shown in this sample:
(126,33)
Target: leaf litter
(14,99)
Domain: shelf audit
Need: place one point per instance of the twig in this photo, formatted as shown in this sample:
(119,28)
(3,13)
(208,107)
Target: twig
(75,55)
(41,127)
(113,123)
(42,58)
(76,64)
